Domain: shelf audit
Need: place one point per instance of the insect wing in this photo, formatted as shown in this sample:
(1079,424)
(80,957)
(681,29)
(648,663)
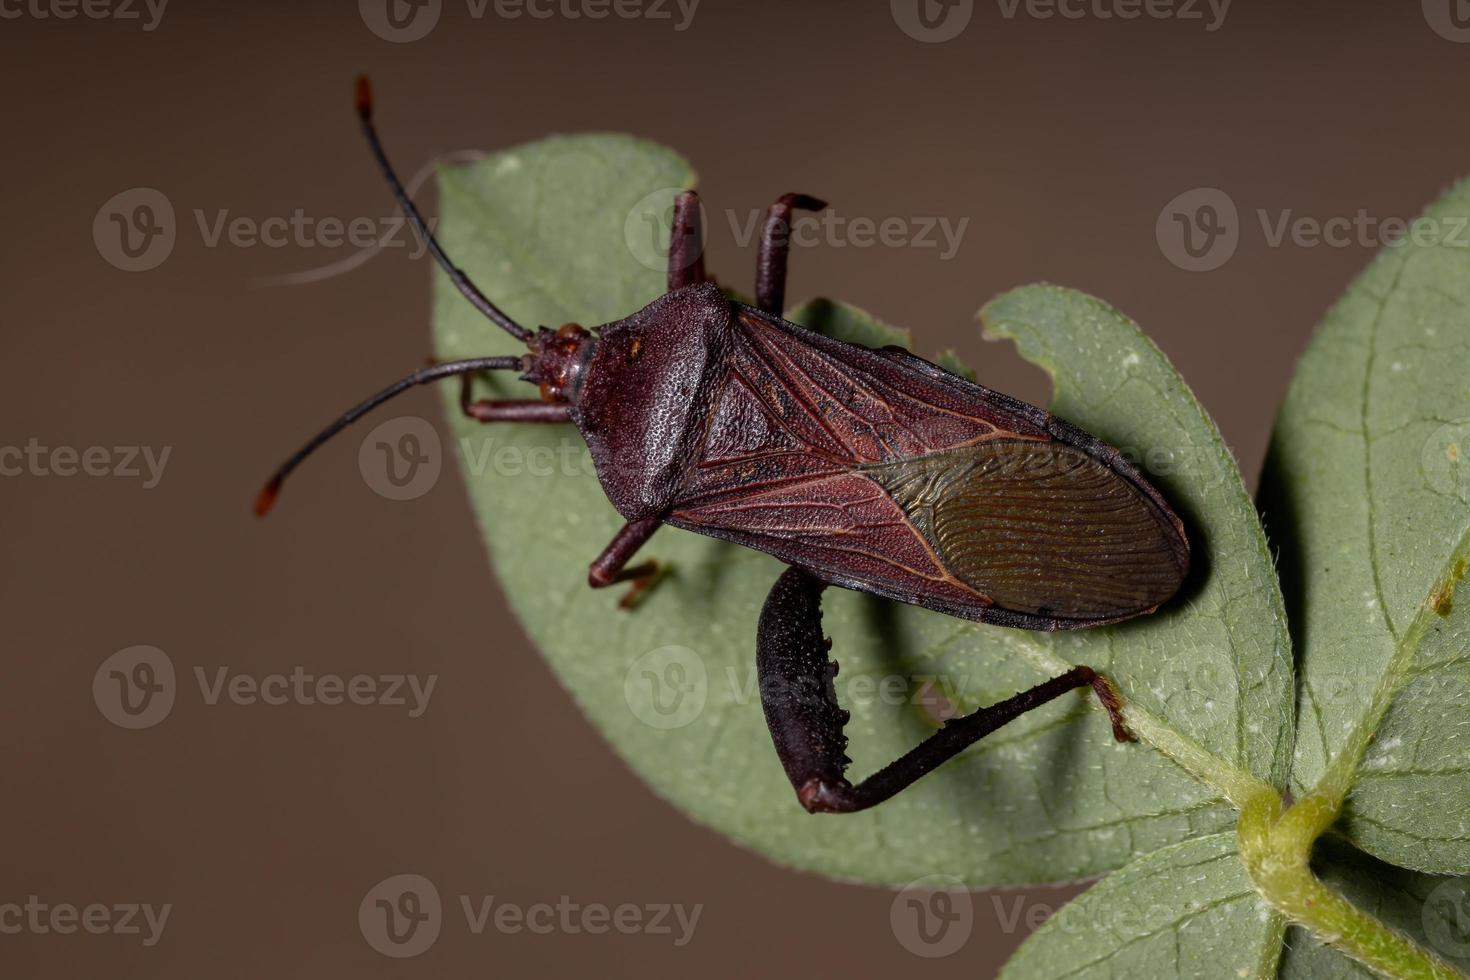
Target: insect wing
(1040,528)
(879,471)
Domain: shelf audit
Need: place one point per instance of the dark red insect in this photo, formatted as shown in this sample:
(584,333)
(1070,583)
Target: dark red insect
(875,470)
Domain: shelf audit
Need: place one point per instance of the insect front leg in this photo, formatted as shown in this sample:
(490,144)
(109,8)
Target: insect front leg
(770,265)
(807,724)
(610,567)
(522,410)
(686,243)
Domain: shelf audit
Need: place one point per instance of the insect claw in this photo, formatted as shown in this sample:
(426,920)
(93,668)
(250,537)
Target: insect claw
(641,585)
(1113,704)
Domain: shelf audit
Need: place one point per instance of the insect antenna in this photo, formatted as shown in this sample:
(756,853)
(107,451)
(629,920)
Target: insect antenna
(461,281)
(272,488)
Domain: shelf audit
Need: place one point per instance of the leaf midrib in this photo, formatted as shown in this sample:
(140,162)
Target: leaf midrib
(1338,780)
(1342,771)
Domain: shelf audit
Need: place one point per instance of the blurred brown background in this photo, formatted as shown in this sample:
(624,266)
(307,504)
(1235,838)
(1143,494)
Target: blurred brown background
(1060,139)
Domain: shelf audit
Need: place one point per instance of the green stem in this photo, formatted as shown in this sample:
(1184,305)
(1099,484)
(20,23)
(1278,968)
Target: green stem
(1234,784)
(1276,846)
(1231,782)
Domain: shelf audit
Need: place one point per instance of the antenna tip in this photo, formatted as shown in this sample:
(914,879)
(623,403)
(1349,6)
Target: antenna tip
(267,496)
(364,97)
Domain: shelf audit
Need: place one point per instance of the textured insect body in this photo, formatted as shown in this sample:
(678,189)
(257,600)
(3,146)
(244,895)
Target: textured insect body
(644,409)
(875,470)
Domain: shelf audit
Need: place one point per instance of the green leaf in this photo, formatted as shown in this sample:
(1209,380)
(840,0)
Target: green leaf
(555,231)
(1367,492)
(1187,910)
(1215,664)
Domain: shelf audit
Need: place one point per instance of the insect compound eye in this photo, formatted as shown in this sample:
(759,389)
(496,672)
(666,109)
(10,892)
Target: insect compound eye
(571,336)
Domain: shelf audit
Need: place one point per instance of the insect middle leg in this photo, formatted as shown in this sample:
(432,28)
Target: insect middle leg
(807,724)
(611,567)
(770,265)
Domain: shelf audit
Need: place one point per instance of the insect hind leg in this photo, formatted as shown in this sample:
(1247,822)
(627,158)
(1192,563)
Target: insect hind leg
(775,249)
(806,722)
